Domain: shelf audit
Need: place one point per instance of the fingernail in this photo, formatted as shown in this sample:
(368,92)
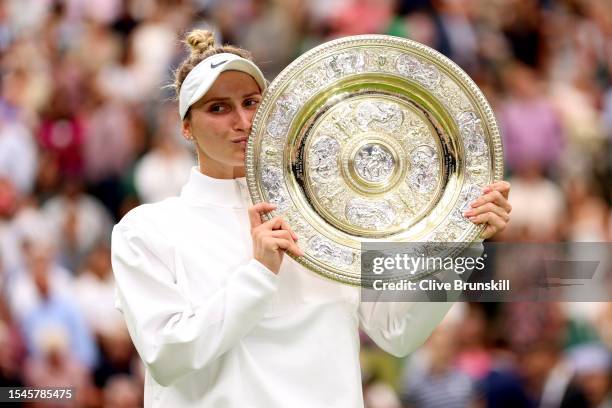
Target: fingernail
(468,213)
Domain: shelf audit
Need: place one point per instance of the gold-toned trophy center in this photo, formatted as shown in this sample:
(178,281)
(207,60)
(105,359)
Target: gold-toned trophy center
(372,164)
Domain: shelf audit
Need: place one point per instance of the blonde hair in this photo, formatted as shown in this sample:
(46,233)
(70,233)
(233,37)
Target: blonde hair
(202,45)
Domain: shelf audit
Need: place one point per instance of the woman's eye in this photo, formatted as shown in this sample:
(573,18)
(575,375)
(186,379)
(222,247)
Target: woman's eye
(217,108)
(251,102)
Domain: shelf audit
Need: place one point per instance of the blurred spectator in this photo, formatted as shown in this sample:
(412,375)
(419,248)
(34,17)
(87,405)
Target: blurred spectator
(28,14)
(525,323)
(17,155)
(530,126)
(535,219)
(503,387)
(576,102)
(361,16)
(26,84)
(592,364)
(94,292)
(379,394)
(100,11)
(10,253)
(55,366)
(12,351)
(607,113)
(122,392)
(95,47)
(114,135)
(587,211)
(149,64)
(549,379)
(23,294)
(432,380)
(56,314)
(460,31)
(603,325)
(269,25)
(521,24)
(118,357)
(168,159)
(61,132)
(78,220)
(473,358)
(122,81)
(111,137)
(419,26)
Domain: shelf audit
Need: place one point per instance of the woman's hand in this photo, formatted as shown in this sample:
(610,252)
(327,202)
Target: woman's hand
(271,238)
(491,208)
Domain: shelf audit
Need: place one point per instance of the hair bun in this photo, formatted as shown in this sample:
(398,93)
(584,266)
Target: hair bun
(200,41)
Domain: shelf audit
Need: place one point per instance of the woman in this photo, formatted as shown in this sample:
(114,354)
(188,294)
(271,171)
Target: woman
(217,313)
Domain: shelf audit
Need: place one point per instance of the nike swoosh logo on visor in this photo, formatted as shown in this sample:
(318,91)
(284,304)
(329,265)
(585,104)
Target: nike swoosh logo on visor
(213,66)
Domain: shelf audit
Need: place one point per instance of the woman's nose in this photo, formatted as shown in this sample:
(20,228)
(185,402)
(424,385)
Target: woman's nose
(244,119)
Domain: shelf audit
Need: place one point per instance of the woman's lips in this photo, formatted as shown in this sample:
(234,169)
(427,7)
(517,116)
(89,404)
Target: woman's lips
(241,141)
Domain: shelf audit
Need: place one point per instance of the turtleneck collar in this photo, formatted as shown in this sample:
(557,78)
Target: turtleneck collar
(205,190)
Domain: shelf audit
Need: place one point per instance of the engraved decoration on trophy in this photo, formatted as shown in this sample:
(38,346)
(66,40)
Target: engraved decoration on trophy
(372,138)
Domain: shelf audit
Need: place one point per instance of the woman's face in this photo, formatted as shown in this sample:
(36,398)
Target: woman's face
(220,124)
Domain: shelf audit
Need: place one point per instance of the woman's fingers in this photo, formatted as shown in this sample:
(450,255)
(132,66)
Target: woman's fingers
(284,244)
(502,186)
(274,233)
(287,236)
(495,223)
(494,196)
(278,223)
(257,210)
(488,207)
(272,224)
(488,232)
(492,208)
(286,227)
(281,234)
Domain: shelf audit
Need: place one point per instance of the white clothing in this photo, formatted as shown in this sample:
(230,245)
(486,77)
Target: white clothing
(215,328)
(24,297)
(93,220)
(528,213)
(94,297)
(155,166)
(18,157)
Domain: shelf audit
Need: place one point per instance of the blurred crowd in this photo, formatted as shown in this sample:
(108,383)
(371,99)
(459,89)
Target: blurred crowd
(89,129)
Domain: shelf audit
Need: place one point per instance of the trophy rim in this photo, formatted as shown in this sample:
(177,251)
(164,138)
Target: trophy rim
(405,45)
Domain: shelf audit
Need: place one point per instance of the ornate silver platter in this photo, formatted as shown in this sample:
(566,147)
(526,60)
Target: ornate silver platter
(372,138)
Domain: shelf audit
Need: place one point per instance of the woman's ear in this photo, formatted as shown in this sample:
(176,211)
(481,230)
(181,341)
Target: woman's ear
(187,130)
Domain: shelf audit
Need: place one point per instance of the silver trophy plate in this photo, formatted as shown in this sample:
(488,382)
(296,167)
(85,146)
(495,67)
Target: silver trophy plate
(372,138)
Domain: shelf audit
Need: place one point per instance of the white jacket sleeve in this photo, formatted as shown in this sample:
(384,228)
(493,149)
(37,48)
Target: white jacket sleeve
(401,327)
(172,334)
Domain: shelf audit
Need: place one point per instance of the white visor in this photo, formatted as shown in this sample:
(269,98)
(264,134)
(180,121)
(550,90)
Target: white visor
(202,76)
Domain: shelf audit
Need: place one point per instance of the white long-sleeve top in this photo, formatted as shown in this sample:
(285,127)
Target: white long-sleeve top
(215,328)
